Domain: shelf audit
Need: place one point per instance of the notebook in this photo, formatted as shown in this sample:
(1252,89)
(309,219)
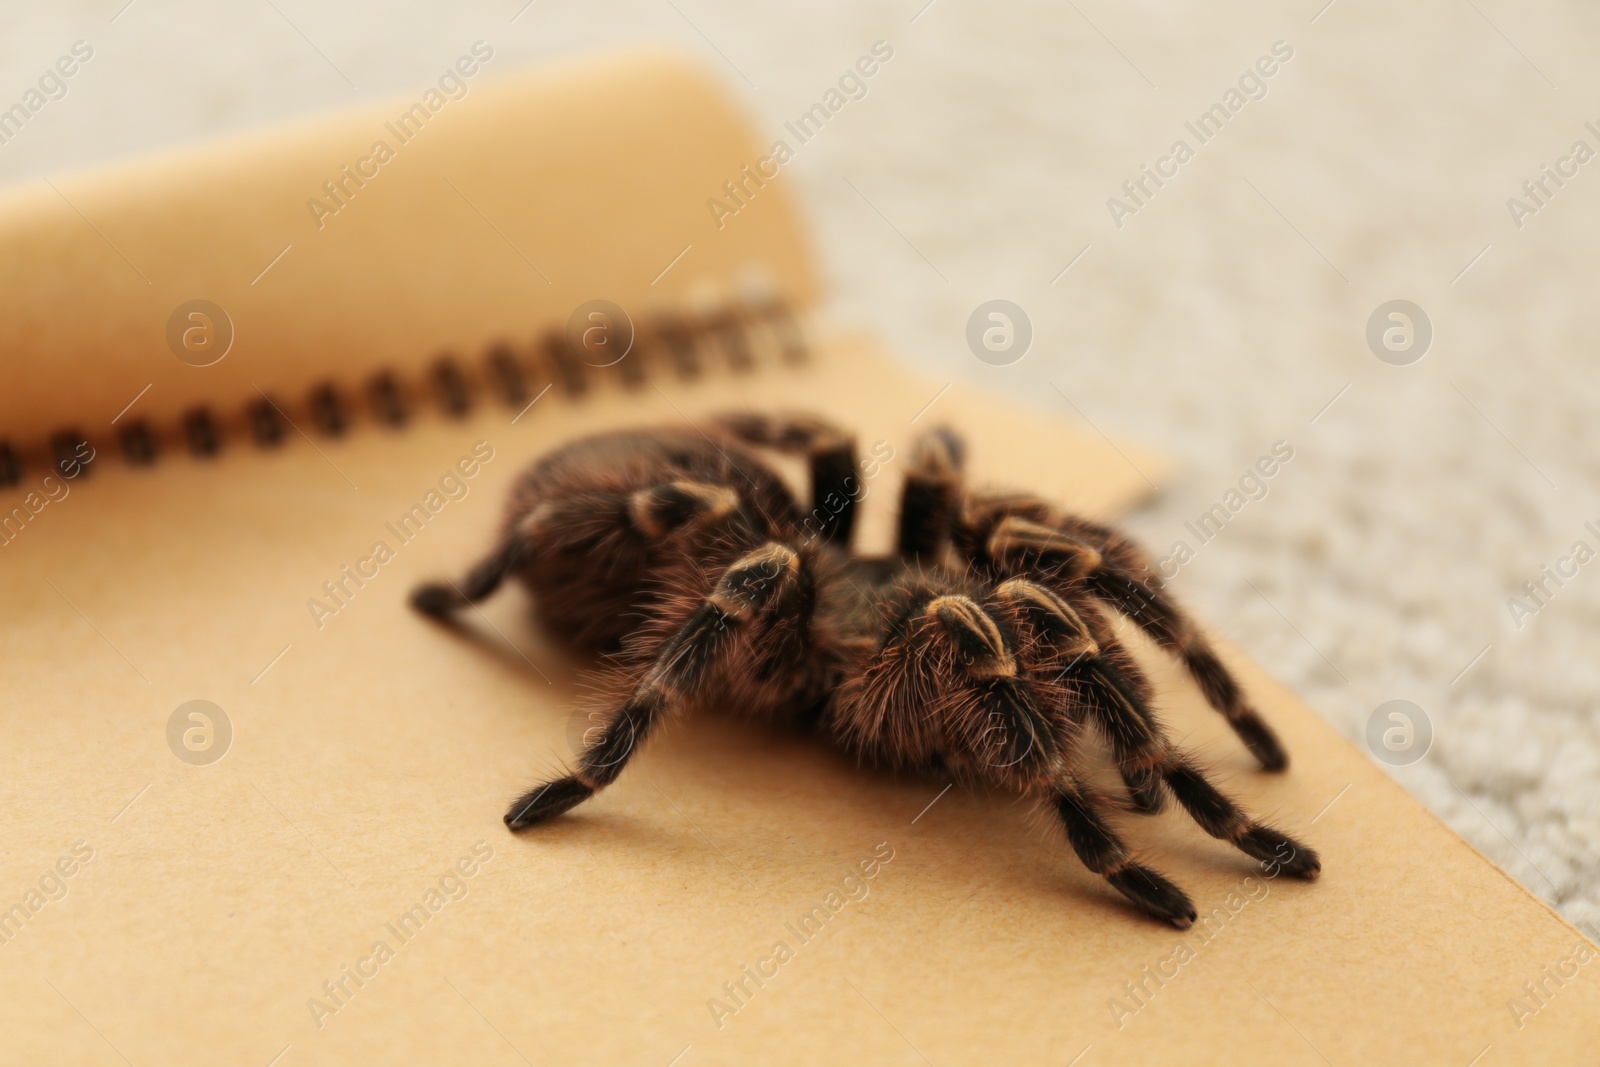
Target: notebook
(257,390)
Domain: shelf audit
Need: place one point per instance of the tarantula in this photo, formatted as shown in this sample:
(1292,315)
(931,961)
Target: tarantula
(983,649)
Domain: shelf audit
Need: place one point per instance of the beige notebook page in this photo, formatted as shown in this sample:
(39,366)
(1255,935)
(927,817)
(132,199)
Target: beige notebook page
(373,752)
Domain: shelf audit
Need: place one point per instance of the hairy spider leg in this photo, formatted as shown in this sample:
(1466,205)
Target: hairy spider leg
(1023,546)
(931,495)
(830,454)
(763,585)
(1110,684)
(1103,851)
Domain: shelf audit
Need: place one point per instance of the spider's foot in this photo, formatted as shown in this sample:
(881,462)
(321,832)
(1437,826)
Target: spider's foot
(1261,741)
(1280,852)
(547,801)
(1155,894)
(436,599)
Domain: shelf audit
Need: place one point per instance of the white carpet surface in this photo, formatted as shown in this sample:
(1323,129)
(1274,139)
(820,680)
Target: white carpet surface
(1222,316)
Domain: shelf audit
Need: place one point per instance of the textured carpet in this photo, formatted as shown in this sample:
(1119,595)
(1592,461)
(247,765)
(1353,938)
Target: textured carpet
(1214,314)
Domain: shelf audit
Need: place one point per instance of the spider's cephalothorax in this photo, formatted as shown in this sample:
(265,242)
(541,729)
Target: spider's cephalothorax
(982,649)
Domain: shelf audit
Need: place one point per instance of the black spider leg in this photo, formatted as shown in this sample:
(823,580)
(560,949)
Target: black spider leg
(931,495)
(768,581)
(1156,614)
(1138,741)
(653,513)
(1021,545)
(830,456)
(1111,685)
(1100,848)
(441,599)
(1124,682)
(1220,816)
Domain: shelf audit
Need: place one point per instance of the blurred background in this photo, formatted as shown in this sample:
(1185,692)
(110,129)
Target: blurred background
(1393,154)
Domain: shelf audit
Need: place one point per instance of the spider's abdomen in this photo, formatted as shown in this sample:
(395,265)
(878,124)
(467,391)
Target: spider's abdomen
(592,567)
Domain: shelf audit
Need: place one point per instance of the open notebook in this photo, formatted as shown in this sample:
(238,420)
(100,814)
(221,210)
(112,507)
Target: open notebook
(337,887)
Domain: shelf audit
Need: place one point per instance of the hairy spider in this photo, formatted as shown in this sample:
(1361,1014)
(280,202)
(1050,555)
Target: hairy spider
(983,649)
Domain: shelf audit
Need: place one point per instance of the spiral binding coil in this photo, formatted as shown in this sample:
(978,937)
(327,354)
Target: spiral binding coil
(739,336)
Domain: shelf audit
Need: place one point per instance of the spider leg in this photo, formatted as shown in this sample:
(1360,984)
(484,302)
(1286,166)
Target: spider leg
(830,453)
(1119,703)
(1147,604)
(654,513)
(1103,852)
(931,495)
(440,599)
(1019,544)
(1126,697)
(764,581)
(1113,688)
(1220,816)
